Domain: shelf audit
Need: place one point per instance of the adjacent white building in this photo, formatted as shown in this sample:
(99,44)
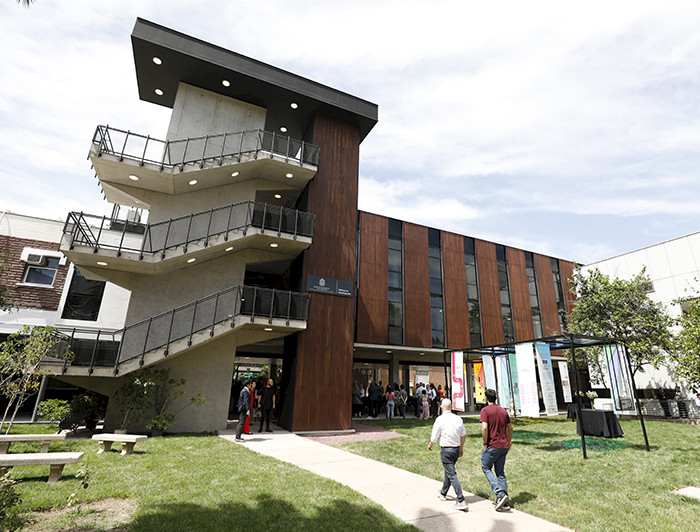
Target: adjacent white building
(674,269)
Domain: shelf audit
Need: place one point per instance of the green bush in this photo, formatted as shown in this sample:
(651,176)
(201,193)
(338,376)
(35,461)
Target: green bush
(10,518)
(54,410)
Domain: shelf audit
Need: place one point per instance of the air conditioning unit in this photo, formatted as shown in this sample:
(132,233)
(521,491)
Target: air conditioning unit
(36,260)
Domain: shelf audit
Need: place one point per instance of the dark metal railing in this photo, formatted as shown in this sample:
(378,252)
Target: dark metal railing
(200,150)
(95,348)
(123,235)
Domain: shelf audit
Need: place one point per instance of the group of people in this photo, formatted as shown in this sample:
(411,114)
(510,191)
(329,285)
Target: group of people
(664,396)
(250,396)
(497,435)
(394,400)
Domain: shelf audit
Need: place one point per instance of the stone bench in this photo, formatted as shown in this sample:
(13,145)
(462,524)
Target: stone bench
(56,460)
(7,439)
(127,440)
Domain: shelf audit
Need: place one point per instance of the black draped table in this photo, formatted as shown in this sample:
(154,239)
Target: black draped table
(601,423)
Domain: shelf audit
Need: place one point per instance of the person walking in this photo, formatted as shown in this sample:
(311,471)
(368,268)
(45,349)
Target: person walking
(244,399)
(266,404)
(390,402)
(497,435)
(449,429)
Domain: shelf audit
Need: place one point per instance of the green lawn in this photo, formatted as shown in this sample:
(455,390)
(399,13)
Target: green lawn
(202,482)
(625,488)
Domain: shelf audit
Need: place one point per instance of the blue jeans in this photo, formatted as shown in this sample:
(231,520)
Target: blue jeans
(495,458)
(449,457)
(390,409)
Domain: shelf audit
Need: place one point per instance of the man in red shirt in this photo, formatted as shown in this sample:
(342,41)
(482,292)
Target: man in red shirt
(497,433)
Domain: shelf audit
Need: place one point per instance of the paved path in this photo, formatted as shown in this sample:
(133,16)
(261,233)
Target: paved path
(410,497)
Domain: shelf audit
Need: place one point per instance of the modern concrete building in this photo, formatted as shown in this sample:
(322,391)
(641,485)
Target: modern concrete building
(674,270)
(255,248)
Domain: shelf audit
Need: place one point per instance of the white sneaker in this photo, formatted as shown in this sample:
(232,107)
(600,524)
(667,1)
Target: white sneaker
(502,500)
(441,496)
(461,505)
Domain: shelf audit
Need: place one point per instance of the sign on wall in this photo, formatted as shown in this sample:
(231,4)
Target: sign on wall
(329,286)
(457,380)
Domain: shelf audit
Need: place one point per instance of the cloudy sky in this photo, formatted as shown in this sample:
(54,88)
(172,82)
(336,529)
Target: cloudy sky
(571,129)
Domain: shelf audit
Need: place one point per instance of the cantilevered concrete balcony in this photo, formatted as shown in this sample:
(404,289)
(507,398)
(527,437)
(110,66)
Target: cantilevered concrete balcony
(104,245)
(130,165)
(241,314)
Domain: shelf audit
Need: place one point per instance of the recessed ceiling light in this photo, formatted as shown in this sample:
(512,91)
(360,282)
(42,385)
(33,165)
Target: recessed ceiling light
(234,174)
(388,351)
(290,176)
(229,248)
(283,129)
(293,105)
(226,83)
(134,177)
(190,261)
(159,92)
(274,245)
(268,329)
(421,354)
(278,196)
(193,182)
(157,61)
(100,263)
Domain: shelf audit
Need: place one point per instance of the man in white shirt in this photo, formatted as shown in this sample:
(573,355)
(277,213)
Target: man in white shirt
(449,429)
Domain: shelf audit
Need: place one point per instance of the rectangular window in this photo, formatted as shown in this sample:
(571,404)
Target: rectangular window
(84,298)
(472,292)
(504,290)
(395,307)
(43,273)
(437,319)
(534,295)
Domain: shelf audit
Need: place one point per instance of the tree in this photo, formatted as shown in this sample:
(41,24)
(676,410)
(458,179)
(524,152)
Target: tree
(20,357)
(5,302)
(685,355)
(620,309)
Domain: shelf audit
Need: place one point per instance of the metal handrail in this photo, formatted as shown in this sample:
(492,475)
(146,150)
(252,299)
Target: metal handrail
(200,150)
(150,239)
(101,348)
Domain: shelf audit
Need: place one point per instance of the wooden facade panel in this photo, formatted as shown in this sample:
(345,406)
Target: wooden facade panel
(416,298)
(489,297)
(324,351)
(519,295)
(372,291)
(455,291)
(548,301)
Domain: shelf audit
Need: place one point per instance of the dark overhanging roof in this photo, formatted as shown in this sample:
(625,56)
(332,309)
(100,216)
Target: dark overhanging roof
(205,65)
(554,342)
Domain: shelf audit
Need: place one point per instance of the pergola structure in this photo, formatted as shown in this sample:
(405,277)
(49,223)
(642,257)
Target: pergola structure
(571,341)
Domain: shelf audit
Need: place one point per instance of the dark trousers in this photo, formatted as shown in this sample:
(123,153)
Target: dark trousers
(373,407)
(265,415)
(449,457)
(242,415)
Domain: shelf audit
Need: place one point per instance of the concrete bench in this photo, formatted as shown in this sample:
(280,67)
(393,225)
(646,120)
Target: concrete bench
(56,460)
(127,440)
(7,439)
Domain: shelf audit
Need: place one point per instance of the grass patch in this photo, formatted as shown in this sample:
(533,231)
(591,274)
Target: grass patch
(623,489)
(200,482)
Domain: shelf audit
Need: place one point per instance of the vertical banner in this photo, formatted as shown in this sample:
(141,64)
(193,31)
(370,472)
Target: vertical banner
(479,383)
(565,382)
(544,364)
(527,378)
(457,380)
(504,387)
(512,362)
(489,372)
(620,380)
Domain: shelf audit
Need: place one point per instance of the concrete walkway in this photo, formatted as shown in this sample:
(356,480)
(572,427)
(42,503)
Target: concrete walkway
(410,497)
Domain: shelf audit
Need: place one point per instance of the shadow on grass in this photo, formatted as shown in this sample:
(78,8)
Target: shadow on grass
(523,497)
(533,435)
(267,513)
